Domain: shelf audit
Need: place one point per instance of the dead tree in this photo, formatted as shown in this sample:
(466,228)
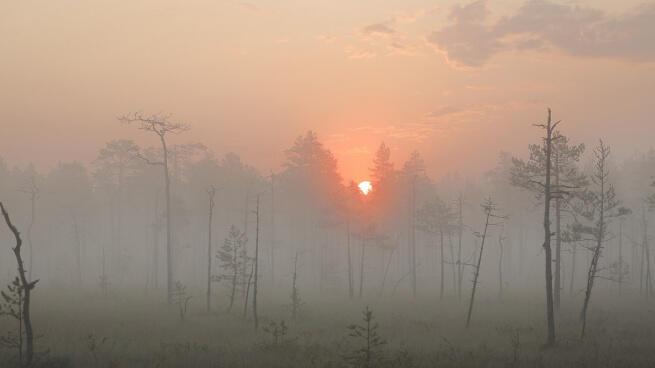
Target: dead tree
(161,126)
(273,245)
(351,291)
(78,247)
(535,175)
(361,266)
(211,192)
(26,286)
(501,248)
(247,294)
(296,301)
(598,207)
(103,280)
(489,209)
(412,235)
(256,271)
(460,234)
(621,263)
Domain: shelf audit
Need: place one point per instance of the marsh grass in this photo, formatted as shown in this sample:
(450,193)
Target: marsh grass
(131,330)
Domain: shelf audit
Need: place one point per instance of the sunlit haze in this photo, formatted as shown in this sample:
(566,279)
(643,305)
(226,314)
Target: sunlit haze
(327,183)
(365,187)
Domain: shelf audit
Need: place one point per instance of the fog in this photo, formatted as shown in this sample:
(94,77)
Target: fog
(277,185)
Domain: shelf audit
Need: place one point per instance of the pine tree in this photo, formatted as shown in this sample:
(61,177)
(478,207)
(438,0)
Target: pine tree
(234,261)
(370,353)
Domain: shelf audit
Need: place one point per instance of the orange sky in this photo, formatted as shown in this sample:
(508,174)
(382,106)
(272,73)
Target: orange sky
(458,81)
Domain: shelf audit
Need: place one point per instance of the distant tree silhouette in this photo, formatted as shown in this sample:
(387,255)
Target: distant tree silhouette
(437,218)
(161,126)
(211,193)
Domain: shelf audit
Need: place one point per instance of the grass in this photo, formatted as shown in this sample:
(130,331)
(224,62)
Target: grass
(134,330)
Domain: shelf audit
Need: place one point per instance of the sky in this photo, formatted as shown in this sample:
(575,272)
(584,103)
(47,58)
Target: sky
(457,81)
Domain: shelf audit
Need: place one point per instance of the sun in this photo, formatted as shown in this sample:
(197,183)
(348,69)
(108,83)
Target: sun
(365,187)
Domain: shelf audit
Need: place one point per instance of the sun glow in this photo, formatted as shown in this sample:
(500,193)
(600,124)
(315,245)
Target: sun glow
(365,187)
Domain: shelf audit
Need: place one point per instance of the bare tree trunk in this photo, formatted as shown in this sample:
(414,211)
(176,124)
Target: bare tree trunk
(235,277)
(294,289)
(441,268)
(245,303)
(500,267)
(571,282)
(453,266)
(460,233)
(273,229)
(386,271)
(412,236)
(169,234)
(27,287)
(476,275)
(646,258)
(78,249)
(211,192)
(621,256)
(558,236)
(361,268)
(32,191)
(550,315)
(156,229)
(256,281)
(351,291)
(601,178)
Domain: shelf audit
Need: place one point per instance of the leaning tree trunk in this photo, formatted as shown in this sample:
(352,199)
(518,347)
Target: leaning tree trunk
(27,287)
(477,272)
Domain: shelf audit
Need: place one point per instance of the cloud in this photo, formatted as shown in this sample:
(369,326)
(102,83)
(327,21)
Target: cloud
(378,29)
(443,111)
(408,132)
(449,116)
(539,25)
(358,53)
(326,38)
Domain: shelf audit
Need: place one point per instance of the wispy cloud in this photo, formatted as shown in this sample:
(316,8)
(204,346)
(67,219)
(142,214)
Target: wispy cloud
(379,29)
(540,25)
(475,113)
(359,53)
